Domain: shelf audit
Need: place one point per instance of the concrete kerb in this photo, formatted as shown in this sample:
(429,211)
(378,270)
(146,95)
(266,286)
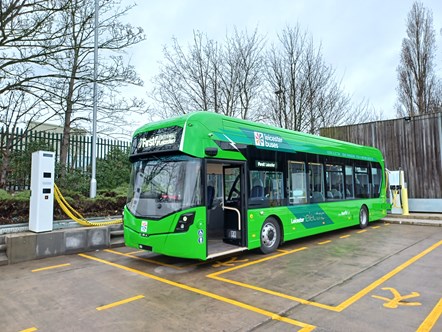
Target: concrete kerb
(422,219)
(26,246)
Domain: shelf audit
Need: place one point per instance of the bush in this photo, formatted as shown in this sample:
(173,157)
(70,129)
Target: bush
(4,194)
(15,209)
(114,170)
(74,181)
(113,175)
(23,195)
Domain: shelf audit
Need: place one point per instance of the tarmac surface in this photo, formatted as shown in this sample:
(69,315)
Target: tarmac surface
(387,277)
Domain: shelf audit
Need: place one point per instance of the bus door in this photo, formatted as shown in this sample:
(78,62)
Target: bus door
(225,209)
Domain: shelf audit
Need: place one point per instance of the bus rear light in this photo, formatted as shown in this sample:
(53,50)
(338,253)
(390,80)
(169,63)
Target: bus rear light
(184,222)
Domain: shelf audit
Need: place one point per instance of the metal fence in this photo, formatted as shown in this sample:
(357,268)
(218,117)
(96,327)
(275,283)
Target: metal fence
(21,144)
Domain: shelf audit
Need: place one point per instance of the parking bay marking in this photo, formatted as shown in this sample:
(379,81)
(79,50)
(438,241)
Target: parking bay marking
(398,299)
(432,318)
(114,304)
(50,267)
(304,326)
(345,304)
(153,261)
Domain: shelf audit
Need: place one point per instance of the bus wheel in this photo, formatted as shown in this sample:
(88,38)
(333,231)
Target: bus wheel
(363,217)
(270,236)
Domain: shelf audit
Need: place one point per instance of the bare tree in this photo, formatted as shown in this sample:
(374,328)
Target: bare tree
(209,77)
(188,79)
(26,36)
(248,50)
(417,81)
(302,92)
(46,66)
(70,87)
(290,85)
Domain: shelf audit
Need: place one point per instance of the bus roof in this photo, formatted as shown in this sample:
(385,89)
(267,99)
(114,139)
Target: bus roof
(201,130)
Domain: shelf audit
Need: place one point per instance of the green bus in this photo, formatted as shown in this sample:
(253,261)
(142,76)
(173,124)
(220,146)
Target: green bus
(205,185)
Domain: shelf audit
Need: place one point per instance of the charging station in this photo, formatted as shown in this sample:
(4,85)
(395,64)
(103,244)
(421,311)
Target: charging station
(395,192)
(41,207)
(398,192)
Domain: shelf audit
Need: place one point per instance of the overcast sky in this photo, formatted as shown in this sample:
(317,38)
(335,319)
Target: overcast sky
(361,39)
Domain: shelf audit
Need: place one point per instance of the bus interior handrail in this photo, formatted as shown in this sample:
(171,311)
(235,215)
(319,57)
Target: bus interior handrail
(237,211)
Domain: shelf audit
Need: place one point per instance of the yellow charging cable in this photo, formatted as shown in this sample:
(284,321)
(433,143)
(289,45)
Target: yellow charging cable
(395,195)
(75,215)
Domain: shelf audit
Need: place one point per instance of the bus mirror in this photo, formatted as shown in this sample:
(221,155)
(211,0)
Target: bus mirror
(211,151)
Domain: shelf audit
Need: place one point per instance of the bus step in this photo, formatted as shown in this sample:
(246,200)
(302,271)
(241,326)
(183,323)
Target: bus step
(227,252)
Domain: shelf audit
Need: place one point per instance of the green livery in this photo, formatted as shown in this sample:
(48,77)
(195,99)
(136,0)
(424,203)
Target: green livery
(205,185)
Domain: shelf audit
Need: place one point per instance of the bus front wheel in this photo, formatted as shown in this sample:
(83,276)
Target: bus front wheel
(363,217)
(270,236)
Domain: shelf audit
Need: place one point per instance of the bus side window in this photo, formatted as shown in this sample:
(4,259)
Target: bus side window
(257,189)
(335,181)
(349,182)
(376,177)
(297,183)
(362,182)
(316,178)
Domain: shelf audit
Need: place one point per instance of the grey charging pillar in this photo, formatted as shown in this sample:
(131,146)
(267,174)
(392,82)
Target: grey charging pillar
(41,207)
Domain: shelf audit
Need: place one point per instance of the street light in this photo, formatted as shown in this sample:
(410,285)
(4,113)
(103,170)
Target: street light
(93,187)
(279,94)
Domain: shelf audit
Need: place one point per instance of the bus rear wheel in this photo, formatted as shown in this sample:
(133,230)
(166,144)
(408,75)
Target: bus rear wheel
(270,236)
(363,217)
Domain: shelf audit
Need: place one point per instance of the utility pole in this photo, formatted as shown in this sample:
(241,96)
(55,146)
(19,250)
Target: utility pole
(93,187)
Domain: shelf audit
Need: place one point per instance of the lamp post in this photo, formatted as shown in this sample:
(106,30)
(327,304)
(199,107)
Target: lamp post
(93,187)
(279,93)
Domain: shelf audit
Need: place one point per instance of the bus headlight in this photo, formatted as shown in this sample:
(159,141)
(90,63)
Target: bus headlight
(184,222)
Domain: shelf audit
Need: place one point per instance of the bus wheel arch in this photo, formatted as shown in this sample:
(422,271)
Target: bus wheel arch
(363,216)
(270,235)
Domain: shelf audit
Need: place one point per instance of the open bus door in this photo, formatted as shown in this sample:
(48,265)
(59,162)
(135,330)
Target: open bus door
(226,231)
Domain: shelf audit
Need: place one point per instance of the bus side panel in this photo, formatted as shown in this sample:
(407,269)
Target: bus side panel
(304,220)
(377,209)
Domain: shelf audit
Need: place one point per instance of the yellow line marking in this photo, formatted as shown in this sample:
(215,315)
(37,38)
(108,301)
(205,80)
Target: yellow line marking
(345,304)
(230,262)
(50,267)
(31,329)
(383,279)
(432,318)
(143,259)
(264,290)
(363,231)
(398,299)
(375,227)
(345,236)
(304,327)
(268,291)
(282,250)
(324,242)
(111,305)
(135,252)
(154,261)
(257,261)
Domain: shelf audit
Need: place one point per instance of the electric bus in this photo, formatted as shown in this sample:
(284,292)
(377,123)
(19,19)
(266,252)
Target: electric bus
(205,185)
